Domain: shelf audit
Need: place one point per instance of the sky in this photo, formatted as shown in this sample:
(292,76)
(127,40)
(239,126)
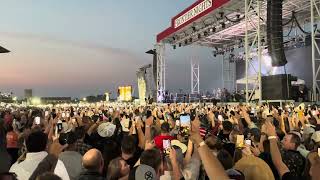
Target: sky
(84,47)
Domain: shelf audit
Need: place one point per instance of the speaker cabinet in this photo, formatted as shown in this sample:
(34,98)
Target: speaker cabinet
(277,87)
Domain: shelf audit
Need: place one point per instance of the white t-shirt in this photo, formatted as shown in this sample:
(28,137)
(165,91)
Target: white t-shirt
(24,169)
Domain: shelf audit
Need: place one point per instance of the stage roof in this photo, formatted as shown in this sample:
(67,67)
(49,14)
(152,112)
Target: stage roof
(221,23)
(3,50)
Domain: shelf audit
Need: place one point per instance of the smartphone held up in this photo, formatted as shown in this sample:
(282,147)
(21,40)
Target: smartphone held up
(37,120)
(185,124)
(166,146)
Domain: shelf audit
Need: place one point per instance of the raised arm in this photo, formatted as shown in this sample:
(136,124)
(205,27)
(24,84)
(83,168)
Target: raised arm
(275,152)
(140,133)
(149,122)
(175,165)
(211,164)
(93,127)
(188,155)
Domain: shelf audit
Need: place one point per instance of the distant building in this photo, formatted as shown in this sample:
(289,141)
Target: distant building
(28,93)
(55,100)
(98,98)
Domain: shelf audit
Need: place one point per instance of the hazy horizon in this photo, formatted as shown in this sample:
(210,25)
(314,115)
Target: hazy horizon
(78,48)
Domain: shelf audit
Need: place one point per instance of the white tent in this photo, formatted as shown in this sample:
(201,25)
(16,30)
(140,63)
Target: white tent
(298,82)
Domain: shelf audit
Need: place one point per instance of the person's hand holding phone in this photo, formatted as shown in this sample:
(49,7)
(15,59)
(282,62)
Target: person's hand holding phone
(37,120)
(255,150)
(195,132)
(246,151)
(56,148)
(149,145)
(173,155)
(270,129)
(240,141)
(149,121)
(166,144)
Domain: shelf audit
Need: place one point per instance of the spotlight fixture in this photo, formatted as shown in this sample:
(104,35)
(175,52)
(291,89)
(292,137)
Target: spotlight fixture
(213,29)
(214,53)
(223,25)
(221,14)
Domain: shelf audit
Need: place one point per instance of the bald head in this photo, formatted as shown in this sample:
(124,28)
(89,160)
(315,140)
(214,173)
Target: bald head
(92,160)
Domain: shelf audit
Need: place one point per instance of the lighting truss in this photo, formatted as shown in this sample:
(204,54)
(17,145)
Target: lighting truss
(243,24)
(195,78)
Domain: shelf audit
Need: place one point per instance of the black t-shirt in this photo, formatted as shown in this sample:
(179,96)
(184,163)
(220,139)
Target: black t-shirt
(230,147)
(92,139)
(133,160)
(223,137)
(294,161)
(290,176)
(267,158)
(96,141)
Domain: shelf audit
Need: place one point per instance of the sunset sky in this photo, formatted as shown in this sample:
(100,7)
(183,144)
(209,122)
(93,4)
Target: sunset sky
(82,47)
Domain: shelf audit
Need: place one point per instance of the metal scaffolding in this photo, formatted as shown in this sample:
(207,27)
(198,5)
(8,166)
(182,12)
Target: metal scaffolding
(228,72)
(256,31)
(195,78)
(242,24)
(161,71)
(314,49)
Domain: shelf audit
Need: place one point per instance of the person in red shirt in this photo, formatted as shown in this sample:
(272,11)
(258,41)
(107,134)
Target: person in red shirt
(12,143)
(165,129)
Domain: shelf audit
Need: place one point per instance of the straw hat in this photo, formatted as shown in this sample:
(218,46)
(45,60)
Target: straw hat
(254,168)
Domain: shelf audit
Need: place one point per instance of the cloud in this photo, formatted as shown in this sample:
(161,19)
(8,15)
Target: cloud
(55,40)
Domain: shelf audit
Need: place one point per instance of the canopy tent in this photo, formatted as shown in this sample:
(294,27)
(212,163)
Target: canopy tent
(251,80)
(3,50)
(298,82)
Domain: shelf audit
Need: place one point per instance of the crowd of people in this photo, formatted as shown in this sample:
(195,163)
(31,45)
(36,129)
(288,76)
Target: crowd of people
(160,141)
